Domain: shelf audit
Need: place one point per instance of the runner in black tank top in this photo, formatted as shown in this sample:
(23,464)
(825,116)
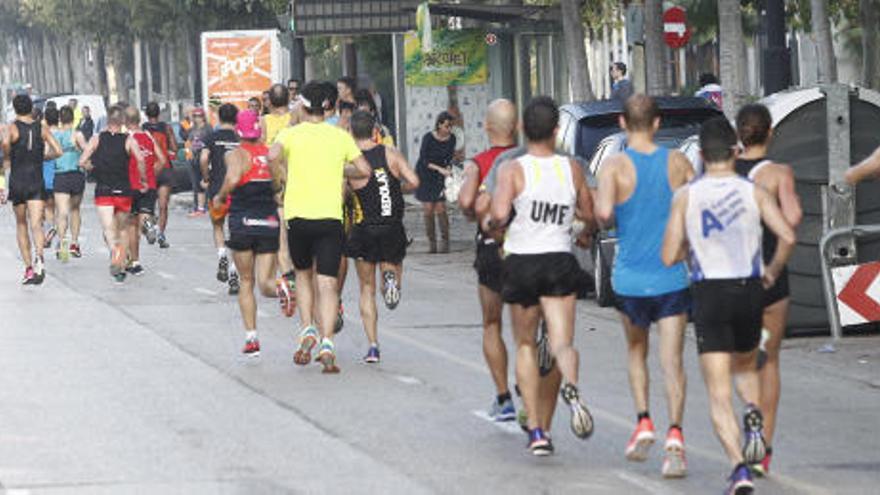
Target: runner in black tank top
(213,164)
(378,236)
(25,145)
(753,126)
(107,158)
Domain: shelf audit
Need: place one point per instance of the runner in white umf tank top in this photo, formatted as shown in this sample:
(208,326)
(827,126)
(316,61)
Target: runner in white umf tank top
(715,222)
(540,194)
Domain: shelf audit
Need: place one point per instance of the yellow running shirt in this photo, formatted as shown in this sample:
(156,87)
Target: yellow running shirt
(274,124)
(316,155)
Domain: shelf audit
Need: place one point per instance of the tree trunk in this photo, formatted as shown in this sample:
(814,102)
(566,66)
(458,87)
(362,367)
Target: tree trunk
(101,71)
(163,70)
(573,30)
(173,83)
(731,46)
(655,52)
(194,70)
(822,35)
(870,37)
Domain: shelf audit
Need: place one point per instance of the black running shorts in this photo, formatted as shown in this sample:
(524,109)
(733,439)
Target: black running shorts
(20,196)
(489,266)
(144,203)
(257,244)
(377,243)
(316,242)
(727,315)
(778,292)
(165,178)
(72,183)
(528,277)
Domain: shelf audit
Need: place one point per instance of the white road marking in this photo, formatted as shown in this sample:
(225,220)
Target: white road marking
(409,380)
(511,427)
(207,292)
(166,276)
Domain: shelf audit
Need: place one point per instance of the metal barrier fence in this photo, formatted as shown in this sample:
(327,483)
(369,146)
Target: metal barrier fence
(828,256)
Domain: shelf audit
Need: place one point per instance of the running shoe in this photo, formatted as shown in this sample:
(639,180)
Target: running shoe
(391,291)
(135,268)
(762,348)
(539,443)
(223,269)
(327,356)
(63,252)
(753,427)
(372,355)
(340,319)
(674,463)
(762,468)
(285,288)
(50,236)
(503,411)
(545,359)
(75,251)
(641,441)
(119,277)
(251,347)
(149,231)
(308,339)
(581,420)
(740,481)
(39,270)
(163,242)
(234,285)
(29,276)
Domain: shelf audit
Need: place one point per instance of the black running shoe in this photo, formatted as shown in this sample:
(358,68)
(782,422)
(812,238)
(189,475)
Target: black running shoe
(223,269)
(234,285)
(135,269)
(755,448)
(545,359)
(539,443)
(581,420)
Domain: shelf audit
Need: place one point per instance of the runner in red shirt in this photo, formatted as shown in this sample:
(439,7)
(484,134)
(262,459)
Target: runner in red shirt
(143,204)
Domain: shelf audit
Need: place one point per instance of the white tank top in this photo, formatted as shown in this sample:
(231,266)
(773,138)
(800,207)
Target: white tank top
(723,225)
(544,208)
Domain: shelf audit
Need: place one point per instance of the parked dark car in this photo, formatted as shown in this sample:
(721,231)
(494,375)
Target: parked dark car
(591,132)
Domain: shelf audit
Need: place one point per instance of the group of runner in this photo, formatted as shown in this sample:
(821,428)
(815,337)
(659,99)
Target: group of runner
(713,247)
(300,195)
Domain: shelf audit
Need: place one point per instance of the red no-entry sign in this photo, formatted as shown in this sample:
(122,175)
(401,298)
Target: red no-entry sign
(676,32)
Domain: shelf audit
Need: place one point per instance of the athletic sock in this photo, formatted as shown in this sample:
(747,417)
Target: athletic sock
(503,397)
(250,335)
(221,252)
(232,268)
(643,415)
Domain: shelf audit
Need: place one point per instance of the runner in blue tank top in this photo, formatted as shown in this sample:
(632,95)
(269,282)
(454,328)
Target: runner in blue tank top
(635,192)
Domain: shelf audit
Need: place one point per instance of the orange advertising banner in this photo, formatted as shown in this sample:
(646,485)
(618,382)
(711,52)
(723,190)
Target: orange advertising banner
(237,65)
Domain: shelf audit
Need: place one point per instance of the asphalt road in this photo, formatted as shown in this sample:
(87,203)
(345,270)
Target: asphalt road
(140,388)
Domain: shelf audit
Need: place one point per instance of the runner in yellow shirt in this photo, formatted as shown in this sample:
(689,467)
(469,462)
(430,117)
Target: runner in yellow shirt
(318,156)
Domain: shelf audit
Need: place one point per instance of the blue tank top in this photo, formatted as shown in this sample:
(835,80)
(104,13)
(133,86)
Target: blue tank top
(641,224)
(69,160)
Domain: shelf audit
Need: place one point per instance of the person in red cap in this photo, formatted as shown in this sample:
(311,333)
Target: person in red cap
(253,219)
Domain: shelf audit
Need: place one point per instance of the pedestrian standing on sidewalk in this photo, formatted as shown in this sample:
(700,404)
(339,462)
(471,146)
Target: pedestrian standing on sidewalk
(197,137)
(433,166)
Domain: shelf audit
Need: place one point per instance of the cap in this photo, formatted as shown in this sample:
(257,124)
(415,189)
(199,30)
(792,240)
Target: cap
(248,125)
(198,111)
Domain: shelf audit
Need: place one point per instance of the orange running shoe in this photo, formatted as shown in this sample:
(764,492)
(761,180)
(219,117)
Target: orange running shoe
(640,441)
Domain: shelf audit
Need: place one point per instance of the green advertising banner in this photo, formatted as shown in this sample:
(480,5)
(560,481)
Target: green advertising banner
(457,58)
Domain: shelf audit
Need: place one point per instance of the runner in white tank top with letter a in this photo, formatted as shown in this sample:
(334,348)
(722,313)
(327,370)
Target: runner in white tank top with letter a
(543,192)
(718,219)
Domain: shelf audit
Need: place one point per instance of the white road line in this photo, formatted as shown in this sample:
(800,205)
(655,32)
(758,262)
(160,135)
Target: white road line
(409,380)
(202,290)
(616,419)
(166,276)
(511,427)
(647,484)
